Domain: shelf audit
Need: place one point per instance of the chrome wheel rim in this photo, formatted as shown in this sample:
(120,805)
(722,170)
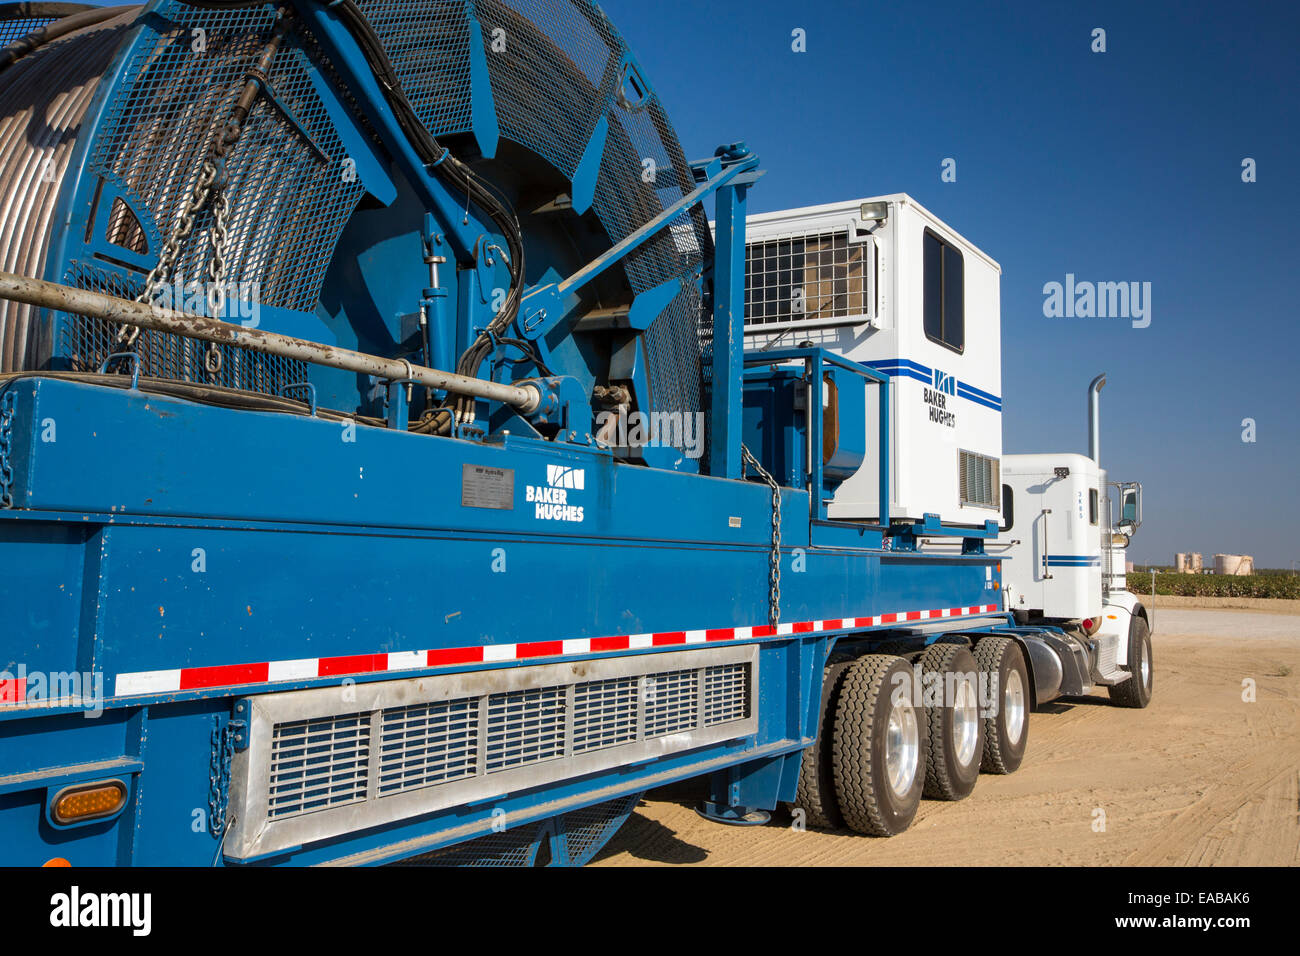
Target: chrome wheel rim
(965,720)
(1013,707)
(1145,664)
(902,747)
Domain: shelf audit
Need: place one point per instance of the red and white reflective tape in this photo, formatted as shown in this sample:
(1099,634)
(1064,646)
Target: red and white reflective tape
(195,678)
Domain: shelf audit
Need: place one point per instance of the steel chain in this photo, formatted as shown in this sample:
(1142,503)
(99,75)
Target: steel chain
(223,752)
(207,191)
(6,448)
(774,559)
(181,229)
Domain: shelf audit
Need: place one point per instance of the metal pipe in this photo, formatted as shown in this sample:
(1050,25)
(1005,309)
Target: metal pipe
(52,295)
(1094,418)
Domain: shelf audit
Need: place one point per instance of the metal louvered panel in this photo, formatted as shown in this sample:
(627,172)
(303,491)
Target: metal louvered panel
(724,696)
(318,763)
(981,480)
(670,702)
(415,746)
(524,726)
(427,744)
(604,713)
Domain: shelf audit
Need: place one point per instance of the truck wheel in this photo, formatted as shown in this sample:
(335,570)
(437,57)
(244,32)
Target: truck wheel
(815,795)
(1006,731)
(878,746)
(953,722)
(1136,691)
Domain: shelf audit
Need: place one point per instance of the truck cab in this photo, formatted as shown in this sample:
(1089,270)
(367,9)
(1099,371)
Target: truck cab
(1052,536)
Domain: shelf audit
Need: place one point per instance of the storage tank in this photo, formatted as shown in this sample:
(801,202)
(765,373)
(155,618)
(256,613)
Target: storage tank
(1195,563)
(1180,562)
(1237,564)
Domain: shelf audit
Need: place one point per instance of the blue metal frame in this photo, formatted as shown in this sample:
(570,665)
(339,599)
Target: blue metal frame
(815,361)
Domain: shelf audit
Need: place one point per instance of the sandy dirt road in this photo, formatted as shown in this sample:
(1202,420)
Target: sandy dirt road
(1198,778)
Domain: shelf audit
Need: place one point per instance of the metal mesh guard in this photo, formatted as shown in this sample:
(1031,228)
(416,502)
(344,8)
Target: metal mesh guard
(556,78)
(575,838)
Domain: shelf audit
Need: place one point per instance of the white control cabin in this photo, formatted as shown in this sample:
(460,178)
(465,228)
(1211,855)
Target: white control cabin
(886,283)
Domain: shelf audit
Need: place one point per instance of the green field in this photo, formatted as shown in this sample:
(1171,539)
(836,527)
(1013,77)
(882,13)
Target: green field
(1264,585)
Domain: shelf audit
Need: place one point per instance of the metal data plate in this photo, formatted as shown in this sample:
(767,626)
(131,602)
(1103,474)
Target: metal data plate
(485,487)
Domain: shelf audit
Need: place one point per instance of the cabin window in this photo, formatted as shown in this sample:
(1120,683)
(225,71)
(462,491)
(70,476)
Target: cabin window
(1008,509)
(945,293)
(1092,506)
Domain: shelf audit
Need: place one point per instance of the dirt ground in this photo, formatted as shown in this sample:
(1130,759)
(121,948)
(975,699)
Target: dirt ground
(1199,778)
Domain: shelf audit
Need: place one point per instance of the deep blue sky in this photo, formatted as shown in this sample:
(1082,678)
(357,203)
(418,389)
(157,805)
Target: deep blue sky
(1117,166)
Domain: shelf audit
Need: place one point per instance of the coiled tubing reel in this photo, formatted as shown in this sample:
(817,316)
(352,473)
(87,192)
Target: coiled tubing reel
(320,221)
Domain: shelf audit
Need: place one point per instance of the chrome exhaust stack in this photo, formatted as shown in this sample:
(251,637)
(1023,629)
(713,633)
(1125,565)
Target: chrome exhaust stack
(1094,417)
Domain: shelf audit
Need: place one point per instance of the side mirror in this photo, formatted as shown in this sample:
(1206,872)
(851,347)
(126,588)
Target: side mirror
(1130,508)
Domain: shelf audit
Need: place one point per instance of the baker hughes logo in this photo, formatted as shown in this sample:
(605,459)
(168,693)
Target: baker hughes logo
(943,386)
(551,500)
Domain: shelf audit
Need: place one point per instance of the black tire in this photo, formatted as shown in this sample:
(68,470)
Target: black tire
(1004,746)
(815,795)
(872,689)
(1136,691)
(951,774)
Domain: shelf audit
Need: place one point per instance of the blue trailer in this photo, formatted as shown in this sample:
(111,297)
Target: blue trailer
(385,477)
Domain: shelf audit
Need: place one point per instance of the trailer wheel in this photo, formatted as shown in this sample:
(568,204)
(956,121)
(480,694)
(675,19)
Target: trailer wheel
(949,679)
(1136,691)
(815,795)
(878,746)
(1006,731)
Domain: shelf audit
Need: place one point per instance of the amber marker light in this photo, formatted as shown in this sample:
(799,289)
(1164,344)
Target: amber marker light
(90,801)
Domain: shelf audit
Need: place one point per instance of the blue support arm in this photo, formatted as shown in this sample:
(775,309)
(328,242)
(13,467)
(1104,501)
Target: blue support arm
(728,332)
(462,224)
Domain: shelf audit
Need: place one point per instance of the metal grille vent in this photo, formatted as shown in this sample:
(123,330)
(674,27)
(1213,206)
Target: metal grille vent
(670,702)
(425,744)
(318,764)
(604,713)
(724,697)
(524,726)
(808,279)
(981,480)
